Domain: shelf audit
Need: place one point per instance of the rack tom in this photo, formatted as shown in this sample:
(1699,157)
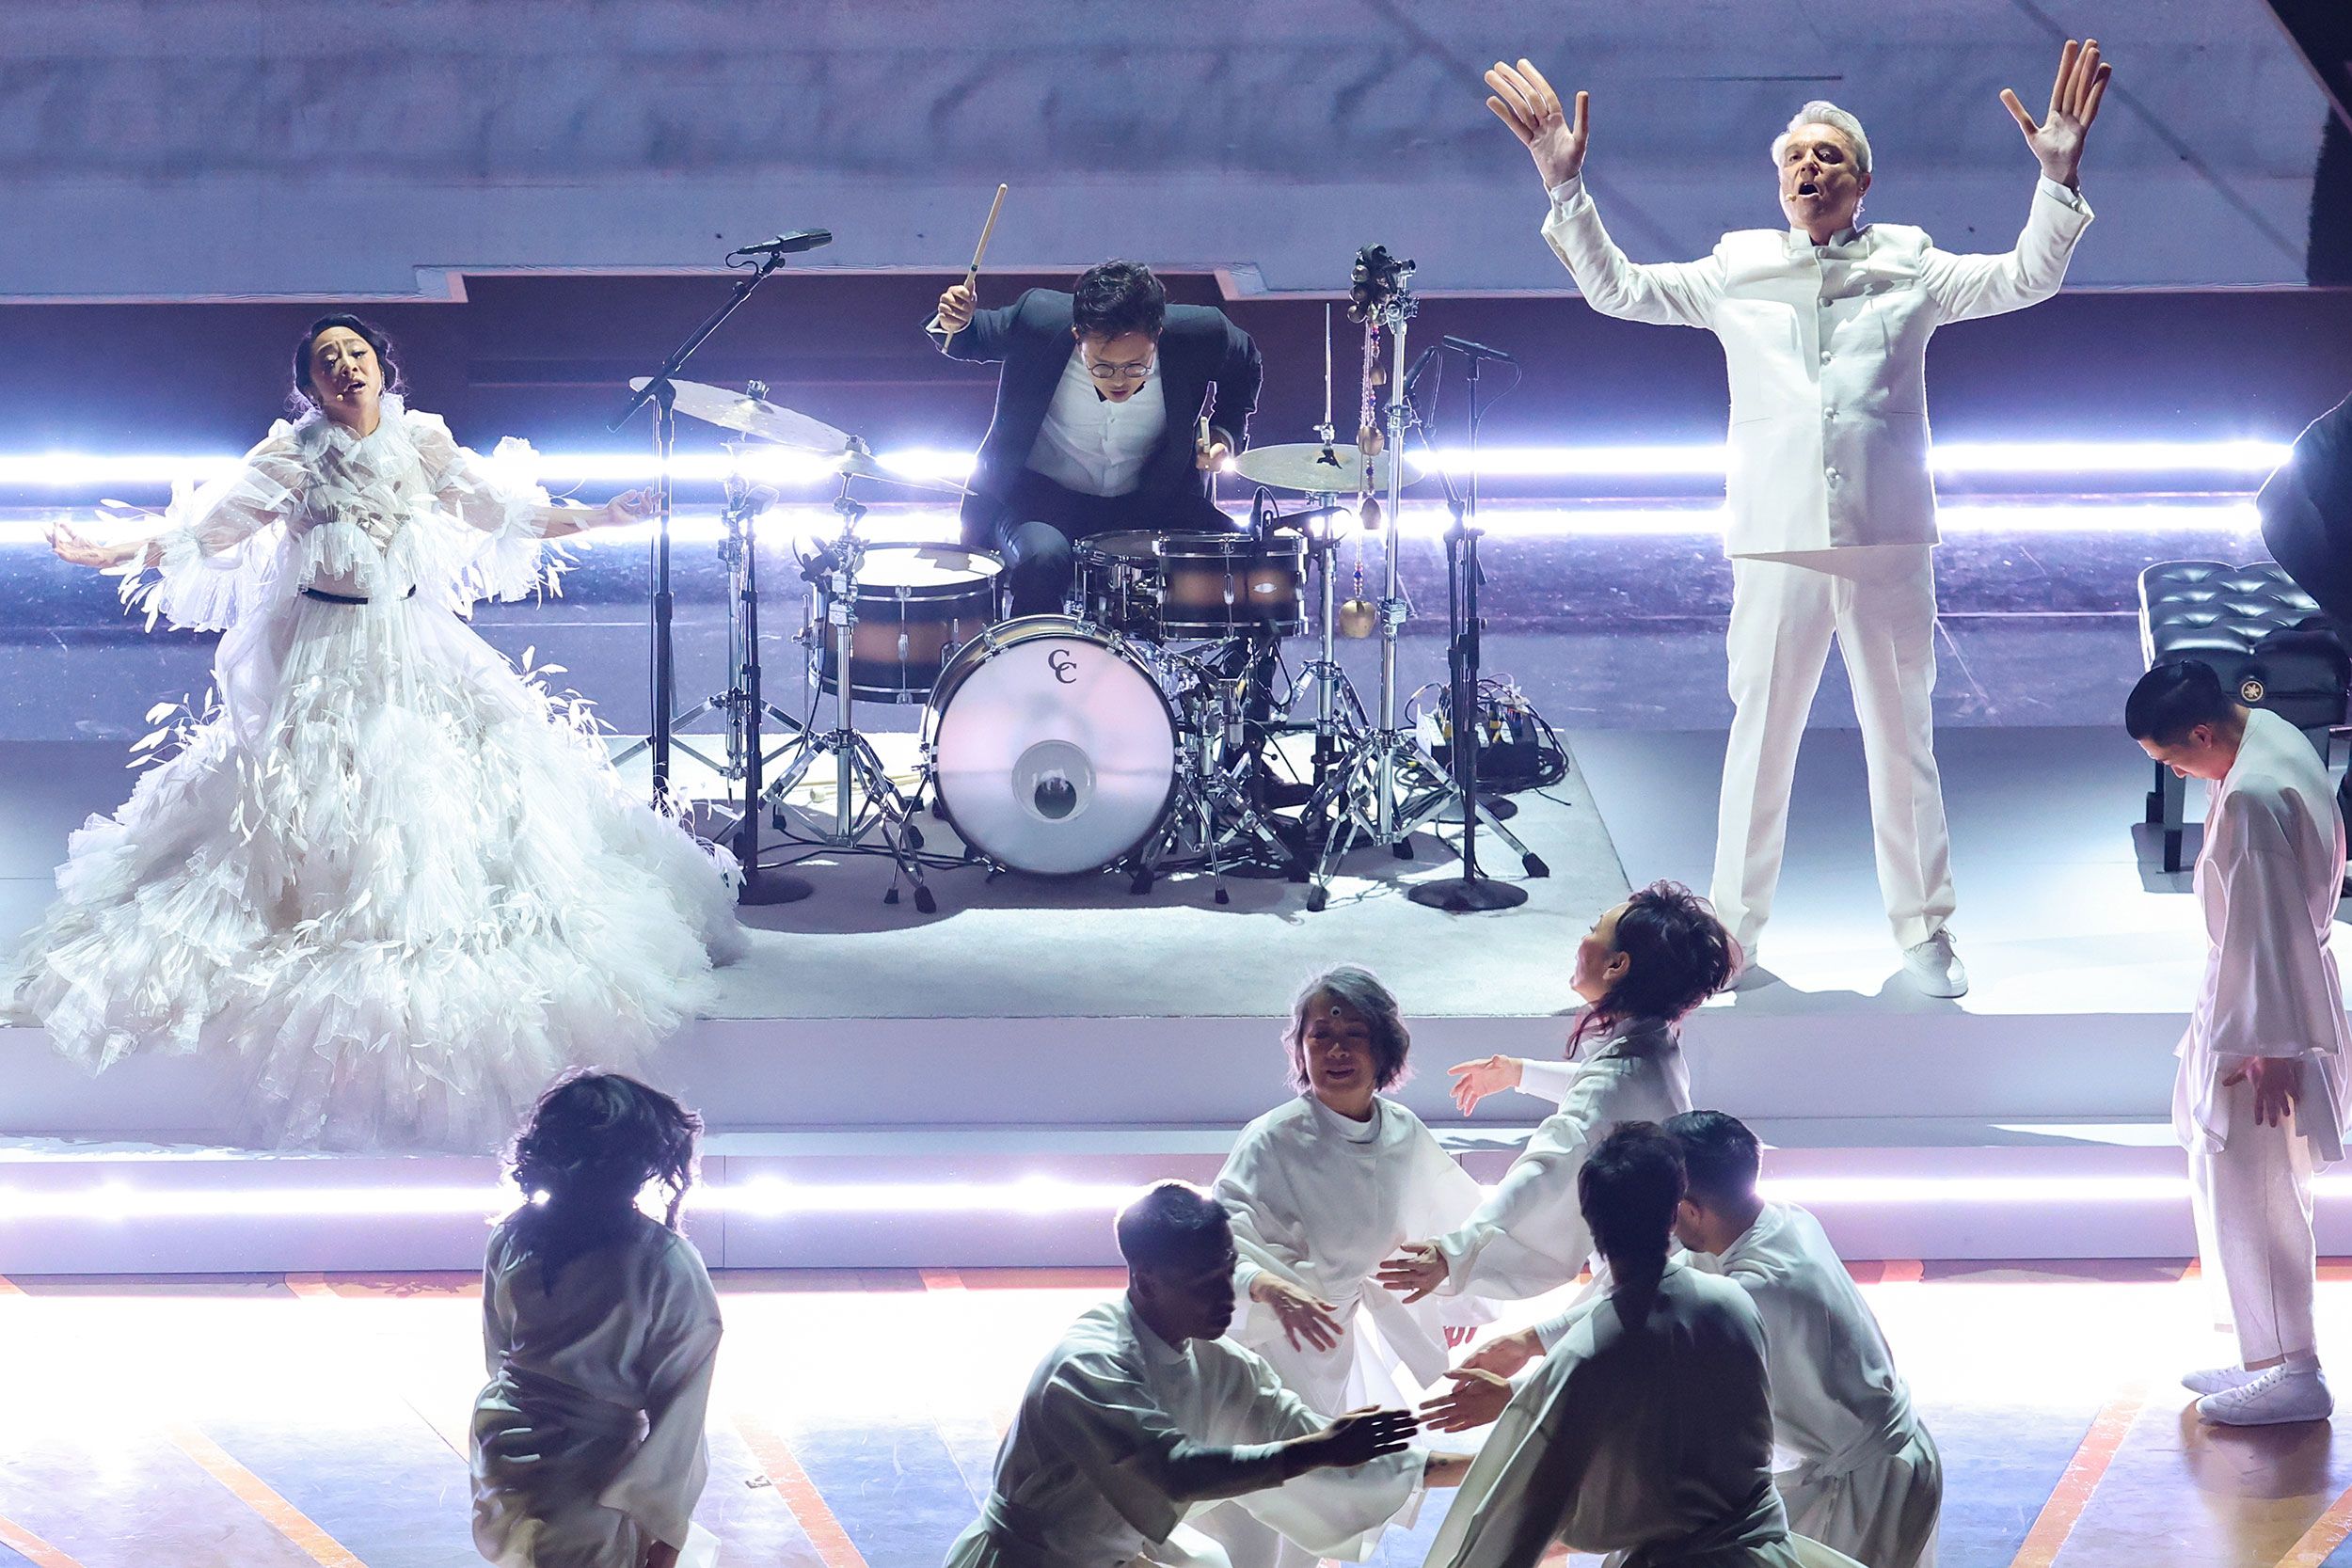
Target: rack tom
(1186,587)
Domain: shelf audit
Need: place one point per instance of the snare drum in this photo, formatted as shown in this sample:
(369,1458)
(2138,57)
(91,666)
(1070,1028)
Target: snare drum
(1185,587)
(1053,745)
(915,604)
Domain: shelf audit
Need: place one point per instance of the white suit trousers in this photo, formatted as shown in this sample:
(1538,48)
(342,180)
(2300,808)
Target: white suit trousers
(1878,603)
(2253,1199)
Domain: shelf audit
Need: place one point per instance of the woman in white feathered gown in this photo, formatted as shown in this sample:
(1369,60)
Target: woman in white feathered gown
(396,881)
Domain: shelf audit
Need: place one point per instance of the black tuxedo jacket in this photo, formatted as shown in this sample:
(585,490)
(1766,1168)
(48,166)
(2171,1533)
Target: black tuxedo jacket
(1207,366)
(2307,513)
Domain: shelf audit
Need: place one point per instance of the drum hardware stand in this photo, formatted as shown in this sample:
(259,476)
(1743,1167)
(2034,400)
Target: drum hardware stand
(742,702)
(1214,817)
(659,390)
(1358,800)
(857,767)
(1470,890)
(1339,712)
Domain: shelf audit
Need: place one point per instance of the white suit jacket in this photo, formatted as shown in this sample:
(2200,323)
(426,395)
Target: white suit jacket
(1827,348)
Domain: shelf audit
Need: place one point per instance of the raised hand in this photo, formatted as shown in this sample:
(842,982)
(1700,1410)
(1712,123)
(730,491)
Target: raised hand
(1362,1436)
(1417,1269)
(2058,139)
(1474,1401)
(1311,1321)
(956,306)
(1474,1080)
(1521,99)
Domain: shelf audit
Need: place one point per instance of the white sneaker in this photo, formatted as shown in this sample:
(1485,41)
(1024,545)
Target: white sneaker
(1936,969)
(2280,1395)
(2213,1380)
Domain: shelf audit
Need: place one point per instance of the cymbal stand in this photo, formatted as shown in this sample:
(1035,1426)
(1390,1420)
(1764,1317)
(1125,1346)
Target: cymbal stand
(1215,820)
(1383,785)
(866,803)
(1339,711)
(745,708)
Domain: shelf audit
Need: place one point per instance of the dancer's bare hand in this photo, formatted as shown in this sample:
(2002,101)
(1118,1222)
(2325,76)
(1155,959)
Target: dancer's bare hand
(629,506)
(75,549)
(1474,1401)
(1311,1323)
(1417,1269)
(1505,1353)
(956,306)
(2058,139)
(1521,99)
(1359,1437)
(2278,1086)
(1474,1080)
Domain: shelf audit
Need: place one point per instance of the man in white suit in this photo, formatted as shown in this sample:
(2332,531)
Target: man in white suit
(1825,330)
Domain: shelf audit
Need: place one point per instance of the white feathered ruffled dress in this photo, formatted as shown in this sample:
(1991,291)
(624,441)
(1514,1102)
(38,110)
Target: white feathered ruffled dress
(400,884)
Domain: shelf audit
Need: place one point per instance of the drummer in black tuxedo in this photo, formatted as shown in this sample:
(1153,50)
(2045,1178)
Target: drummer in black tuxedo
(1098,411)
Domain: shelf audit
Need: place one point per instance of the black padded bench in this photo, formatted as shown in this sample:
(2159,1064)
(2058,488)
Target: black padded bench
(2265,638)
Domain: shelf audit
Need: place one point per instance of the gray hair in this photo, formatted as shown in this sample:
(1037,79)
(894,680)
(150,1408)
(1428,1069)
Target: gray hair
(1358,990)
(1823,112)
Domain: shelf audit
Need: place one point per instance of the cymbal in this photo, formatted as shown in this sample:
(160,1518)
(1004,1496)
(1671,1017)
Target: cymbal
(857,463)
(1313,468)
(753,417)
(769,422)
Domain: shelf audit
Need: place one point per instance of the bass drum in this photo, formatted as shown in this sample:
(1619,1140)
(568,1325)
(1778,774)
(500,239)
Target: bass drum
(1053,745)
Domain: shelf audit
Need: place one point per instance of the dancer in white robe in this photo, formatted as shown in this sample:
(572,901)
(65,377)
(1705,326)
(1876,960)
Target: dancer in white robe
(1143,1414)
(397,885)
(1321,1190)
(1824,327)
(1867,1478)
(601,1331)
(2264,1093)
(1644,966)
(1647,1428)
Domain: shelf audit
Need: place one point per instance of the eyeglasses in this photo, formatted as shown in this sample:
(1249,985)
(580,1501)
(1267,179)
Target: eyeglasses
(1121,373)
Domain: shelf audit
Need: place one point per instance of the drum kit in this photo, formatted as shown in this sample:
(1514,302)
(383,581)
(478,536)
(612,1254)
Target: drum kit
(1139,733)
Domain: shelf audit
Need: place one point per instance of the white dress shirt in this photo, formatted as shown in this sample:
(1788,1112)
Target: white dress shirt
(1095,446)
(1827,351)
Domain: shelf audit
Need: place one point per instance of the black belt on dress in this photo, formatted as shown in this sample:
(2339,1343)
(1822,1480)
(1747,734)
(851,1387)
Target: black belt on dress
(325,598)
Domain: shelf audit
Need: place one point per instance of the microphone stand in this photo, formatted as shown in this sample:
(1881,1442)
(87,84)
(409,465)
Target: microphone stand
(1470,890)
(759,886)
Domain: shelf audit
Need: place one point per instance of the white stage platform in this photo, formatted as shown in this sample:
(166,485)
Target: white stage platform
(980,1088)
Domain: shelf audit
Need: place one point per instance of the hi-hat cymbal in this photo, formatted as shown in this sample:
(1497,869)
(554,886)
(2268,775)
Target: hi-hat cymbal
(768,421)
(753,417)
(1315,469)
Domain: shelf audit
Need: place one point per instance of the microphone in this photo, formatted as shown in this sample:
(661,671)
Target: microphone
(787,244)
(1478,351)
(1421,369)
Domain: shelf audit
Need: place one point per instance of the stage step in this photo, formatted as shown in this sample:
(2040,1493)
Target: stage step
(1923,1189)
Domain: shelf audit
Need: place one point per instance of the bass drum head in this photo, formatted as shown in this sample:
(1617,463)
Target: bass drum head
(1053,751)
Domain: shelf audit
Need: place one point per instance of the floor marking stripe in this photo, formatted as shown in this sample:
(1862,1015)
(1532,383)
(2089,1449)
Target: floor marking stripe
(1901,1270)
(799,1493)
(941,1280)
(10,1286)
(258,1494)
(31,1547)
(310,1286)
(2325,1534)
(2084,1472)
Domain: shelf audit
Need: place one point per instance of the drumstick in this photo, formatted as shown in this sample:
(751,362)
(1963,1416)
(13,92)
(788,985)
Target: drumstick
(979,252)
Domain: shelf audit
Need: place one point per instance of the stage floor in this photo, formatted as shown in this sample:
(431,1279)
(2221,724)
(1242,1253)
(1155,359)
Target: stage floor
(323,1423)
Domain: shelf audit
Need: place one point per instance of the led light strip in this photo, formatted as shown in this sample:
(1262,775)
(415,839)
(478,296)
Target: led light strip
(1955,460)
(1499,520)
(777,1198)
